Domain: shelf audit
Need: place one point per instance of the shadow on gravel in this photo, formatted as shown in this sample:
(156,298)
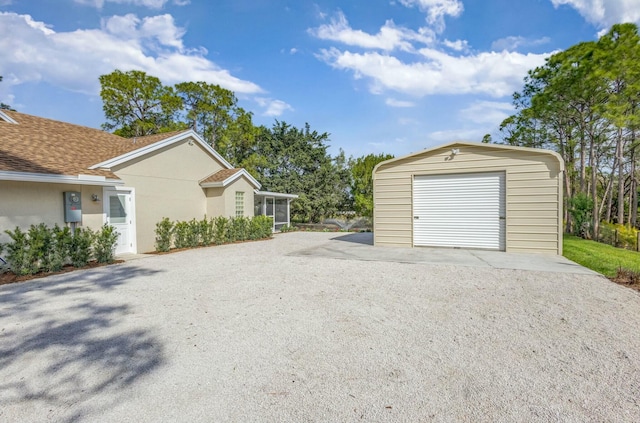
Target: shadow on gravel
(358,238)
(57,357)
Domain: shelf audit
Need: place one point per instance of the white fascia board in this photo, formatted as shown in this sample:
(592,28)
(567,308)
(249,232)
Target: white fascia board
(230,179)
(108,164)
(58,179)
(275,194)
(6,118)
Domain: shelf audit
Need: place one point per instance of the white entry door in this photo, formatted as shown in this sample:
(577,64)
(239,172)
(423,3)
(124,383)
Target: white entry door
(463,210)
(119,210)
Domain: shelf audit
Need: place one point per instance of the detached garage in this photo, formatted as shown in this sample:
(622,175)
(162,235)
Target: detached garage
(471,195)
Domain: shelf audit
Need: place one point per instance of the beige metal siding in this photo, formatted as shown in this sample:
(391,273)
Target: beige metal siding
(167,185)
(533,193)
(31,203)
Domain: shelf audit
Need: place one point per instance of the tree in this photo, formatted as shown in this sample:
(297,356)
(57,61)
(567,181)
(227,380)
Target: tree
(584,104)
(136,104)
(209,109)
(296,161)
(362,181)
(4,106)
(213,112)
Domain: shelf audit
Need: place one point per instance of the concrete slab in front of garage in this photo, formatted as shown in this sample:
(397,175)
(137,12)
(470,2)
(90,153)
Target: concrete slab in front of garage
(359,246)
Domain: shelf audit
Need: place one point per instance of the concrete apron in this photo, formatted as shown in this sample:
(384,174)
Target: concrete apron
(359,246)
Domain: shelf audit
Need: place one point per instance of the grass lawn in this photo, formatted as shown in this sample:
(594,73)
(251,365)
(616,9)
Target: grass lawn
(600,257)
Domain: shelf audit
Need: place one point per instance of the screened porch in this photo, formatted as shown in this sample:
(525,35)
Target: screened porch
(275,205)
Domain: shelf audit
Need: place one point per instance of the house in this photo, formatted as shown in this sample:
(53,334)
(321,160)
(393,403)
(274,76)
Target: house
(56,172)
(471,195)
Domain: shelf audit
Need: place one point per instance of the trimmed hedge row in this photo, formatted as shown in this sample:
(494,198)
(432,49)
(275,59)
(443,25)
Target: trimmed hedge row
(45,249)
(213,231)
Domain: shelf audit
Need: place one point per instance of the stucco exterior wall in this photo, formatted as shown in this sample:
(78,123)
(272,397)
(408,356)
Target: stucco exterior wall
(30,203)
(166,184)
(533,193)
(222,201)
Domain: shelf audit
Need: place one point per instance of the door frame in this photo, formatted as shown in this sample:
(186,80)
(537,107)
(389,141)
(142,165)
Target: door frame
(132,212)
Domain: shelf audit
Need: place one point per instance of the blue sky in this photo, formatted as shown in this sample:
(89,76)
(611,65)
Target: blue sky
(392,76)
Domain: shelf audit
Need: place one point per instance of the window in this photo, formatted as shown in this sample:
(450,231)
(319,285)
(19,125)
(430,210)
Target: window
(239,203)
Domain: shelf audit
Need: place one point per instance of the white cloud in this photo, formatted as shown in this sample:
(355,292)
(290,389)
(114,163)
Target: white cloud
(31,51)
(487,112)
(399,103)
(390,37)
(458,45)
(151,4)
(273,107)
(436,10)
(512,43)
(604,13)
(490,73)
(293,50)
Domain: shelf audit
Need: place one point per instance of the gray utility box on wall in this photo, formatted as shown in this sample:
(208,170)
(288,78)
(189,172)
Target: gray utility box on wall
(72,207)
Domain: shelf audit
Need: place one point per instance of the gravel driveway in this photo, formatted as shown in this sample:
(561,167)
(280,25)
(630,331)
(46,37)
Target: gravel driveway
(257,332)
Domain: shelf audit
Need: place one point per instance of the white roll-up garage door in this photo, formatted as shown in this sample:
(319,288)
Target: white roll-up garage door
(462,210)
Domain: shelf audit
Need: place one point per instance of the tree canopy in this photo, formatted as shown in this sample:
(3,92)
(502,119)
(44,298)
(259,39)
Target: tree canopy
(584,103)
(362,181)
(297,161)
(283,158)
(4,106)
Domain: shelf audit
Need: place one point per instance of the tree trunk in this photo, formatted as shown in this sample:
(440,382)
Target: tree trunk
(608,193)
(567,196)
(633,191)
(595,216)
(619,152)
(583,163)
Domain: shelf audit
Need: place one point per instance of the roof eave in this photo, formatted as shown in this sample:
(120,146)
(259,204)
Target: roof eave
(230,179)
(474,144)
(7,118)
(276,194)
(58,179)
(123,158)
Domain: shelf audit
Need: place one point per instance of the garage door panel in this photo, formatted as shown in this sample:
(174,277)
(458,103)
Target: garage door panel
(464,210)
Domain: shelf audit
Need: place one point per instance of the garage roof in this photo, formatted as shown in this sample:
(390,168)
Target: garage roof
(459,144)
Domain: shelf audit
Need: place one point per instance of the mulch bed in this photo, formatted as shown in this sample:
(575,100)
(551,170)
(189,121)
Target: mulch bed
(628,278)
(8,277)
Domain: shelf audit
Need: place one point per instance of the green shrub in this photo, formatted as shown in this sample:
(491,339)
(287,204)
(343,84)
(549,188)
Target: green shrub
(581,208)
(39,245)
(262,226)
(221,229)
(287,228)
(181,234)
(216,230)
(17,251)
(627,236)
(193,233)
(60,245)
(239,229)
(80,248)
(105,244)
(164,232)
